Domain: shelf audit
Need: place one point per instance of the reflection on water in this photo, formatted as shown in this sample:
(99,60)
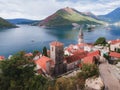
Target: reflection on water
(31,38)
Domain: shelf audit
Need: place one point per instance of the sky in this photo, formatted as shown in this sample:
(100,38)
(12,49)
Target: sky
(39,9)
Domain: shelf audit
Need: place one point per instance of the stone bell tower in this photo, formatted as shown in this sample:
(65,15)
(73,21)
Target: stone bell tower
(80,37)
(57,55)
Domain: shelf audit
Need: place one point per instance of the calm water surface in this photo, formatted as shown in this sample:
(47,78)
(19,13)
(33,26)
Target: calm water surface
(30,38)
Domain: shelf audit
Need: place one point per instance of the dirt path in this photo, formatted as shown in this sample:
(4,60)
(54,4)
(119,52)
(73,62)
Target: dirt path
(110,81)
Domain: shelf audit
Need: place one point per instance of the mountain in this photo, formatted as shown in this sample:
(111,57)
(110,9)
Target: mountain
(90,14)
(67,16)
(5,24)
(22,21)
(113,16)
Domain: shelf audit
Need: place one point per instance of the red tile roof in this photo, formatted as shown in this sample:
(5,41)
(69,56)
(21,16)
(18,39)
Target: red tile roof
(28,54)
(2,58)
(71,48)
(74,51)
(82,44)
(115,41)
(94,53)
(114,54)
(56,43)
(90,57)
(78,51)
(88,60)
(42,62)
(75,57)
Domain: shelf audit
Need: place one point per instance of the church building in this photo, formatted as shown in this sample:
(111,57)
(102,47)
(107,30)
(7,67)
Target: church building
(80,37)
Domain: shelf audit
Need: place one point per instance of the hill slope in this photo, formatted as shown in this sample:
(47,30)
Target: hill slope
(67,16)
(5,24)
(90,14)
(113,16)
(21,21)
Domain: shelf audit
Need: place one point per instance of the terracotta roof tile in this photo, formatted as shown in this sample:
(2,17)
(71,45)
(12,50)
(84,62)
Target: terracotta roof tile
(81,44)
(75,57)
(71,48)
(94,53)
(88,60)
(2,58)
(28,54)
(115,41)
(115,54)
(56,43)
(78,51)
(42,62)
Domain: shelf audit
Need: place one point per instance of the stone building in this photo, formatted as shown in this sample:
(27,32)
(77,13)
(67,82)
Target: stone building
(57,55)
(44,65)
(114,44)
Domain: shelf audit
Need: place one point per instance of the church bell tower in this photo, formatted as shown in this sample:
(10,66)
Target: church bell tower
(57,55)
(80,36)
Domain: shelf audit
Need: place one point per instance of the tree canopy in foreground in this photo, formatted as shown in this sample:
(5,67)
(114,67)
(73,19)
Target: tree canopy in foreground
(18,74)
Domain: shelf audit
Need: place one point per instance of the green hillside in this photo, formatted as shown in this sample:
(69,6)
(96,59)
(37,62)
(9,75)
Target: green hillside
(67,16)
(5,24)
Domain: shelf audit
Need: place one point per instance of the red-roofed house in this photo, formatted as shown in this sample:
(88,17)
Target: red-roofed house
(114,55)
(56,43)
(2,58)
(114,44)
(78,52)
(44,63)
(89,60)
(92,57)
(73,61)
(28,54)
(71,49)
(94,53)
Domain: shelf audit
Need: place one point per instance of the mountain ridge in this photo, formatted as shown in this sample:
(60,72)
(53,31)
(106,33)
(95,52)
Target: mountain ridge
(112,17)
(21,21)
(67,16)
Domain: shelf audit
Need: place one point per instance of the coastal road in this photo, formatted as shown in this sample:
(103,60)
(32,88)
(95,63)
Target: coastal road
(110,81)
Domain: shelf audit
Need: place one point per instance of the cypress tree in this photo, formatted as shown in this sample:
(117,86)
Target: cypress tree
(44,51)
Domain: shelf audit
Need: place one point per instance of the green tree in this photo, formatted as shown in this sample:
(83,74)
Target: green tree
(38,82)
(44,51)
(118,50)
(100,41)
(89,70)
(35,52)
(64,84)
(18,74)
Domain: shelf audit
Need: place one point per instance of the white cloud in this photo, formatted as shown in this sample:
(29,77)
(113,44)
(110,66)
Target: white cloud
(39,9)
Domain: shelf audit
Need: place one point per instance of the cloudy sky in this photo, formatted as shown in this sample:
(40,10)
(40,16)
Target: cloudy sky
(39,9)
